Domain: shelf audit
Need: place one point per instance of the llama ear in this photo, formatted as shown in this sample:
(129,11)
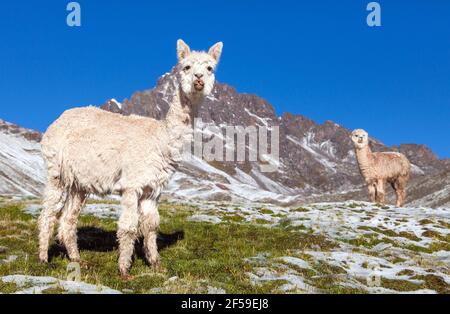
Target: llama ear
(216,51)
(183,50)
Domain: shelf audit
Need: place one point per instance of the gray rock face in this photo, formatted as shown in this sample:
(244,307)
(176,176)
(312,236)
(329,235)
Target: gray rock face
(317,161)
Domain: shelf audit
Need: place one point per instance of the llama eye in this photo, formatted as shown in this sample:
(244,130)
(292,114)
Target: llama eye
(187,68)
(209,68)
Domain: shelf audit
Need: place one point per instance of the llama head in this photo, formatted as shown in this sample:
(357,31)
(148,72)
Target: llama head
(360,138)
(196,70)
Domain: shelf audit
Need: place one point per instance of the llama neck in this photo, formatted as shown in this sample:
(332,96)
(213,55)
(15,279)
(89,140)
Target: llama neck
(182,111)
(180,123)
(364,156)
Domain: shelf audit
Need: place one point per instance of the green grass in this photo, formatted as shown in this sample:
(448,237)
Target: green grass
(399,285)
(233,218)
(391,233)
(300,210)
(200,254)
(196,255)
(7,287)
(431,282)
(406,272)
(96,201)
(435,283)
(398,260)
(355,205)
(433,247)
(369,240)
(262,221)
(266,211)
(425,222)
(436,235)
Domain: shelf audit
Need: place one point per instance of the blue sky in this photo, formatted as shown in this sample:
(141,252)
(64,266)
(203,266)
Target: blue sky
(316,58)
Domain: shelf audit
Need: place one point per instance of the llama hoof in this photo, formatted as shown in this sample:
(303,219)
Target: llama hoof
(124,274)
(161,269)
(157,267)
(154,262)
(83,264)
(126,277)
(76,259)
(43,258)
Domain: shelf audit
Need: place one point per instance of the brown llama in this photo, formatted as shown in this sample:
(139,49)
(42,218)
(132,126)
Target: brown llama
(381,168)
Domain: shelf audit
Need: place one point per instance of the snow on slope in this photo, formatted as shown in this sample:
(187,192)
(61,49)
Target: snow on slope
(21,165)
(210,183)
(316,150)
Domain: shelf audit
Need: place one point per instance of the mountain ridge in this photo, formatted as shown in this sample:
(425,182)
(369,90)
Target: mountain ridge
(316,156)
(316,161)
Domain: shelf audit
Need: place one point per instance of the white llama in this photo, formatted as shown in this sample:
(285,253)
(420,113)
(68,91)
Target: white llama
(381,168)
(92,151)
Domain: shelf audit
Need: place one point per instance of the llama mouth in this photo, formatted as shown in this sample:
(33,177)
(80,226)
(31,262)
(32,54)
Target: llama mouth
(199,85)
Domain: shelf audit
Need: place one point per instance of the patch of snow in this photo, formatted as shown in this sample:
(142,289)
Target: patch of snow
(212,98)
(39,284)
(262,275)
(103,210)
(33,209)
(9,259)
(416,170)
(214,290)
(295,261)
(306,143)
(264,121)
(21,165)
(118,104)
(205,218)
(271,185)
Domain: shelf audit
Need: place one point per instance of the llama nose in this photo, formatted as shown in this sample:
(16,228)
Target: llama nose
(199,75)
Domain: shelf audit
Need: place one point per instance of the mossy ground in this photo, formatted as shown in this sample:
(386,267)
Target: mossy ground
(199,254)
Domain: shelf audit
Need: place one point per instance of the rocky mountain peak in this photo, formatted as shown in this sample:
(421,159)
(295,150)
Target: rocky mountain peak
(314,158)
(13,129)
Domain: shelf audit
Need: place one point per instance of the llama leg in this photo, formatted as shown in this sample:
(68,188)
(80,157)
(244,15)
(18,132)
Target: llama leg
(149,228)
(398,192)
(68,225)
(372,192)
(52,204)
(400,184)
(128,230)
(381,192)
